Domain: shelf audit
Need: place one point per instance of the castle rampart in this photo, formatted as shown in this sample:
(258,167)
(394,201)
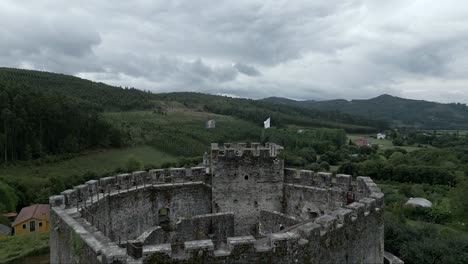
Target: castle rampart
(248,209)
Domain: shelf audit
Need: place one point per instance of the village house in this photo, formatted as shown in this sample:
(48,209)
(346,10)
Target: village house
(381,136)
(32,219)
(362,142)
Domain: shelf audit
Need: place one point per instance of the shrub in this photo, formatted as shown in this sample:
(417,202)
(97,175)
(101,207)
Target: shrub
(133,164)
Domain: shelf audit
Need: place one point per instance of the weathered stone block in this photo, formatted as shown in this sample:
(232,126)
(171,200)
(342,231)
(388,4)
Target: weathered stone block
(343,215)
(82,192)
(241,245)
(57,200)
(199,248)
(343,181)
(369,202)
(310,231)
(357,208)
(326,222)
(324,179)
(93,187)
(71,197)
(107,184)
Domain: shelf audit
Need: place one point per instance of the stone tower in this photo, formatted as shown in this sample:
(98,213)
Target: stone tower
(246,179)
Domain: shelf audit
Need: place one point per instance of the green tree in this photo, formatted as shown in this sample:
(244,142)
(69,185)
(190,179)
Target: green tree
(8,198)
(459,199)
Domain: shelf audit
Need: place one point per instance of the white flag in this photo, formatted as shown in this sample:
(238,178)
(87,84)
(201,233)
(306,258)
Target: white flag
(267,123)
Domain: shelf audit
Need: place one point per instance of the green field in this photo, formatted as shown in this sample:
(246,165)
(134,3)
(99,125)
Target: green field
(98,162)
(182,132)
(384,143)
(20,246)
(35,178)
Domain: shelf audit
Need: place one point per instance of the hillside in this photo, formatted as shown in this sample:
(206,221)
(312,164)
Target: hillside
(102,95)
(110,98)
(395,110)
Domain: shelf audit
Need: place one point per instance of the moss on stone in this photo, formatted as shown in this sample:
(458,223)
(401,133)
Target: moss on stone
(77,243)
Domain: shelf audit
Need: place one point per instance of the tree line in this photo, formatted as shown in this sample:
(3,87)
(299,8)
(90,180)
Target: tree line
(36,123)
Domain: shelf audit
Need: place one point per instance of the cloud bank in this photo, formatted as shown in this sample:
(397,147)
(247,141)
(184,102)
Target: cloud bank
(297,49)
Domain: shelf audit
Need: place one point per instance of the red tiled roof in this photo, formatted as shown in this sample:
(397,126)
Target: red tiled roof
(33,211)
(9,214)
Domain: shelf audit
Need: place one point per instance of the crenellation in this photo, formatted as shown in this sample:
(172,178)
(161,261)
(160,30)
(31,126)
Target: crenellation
(369,203)
(82,192)
(124,180)
(162,252)
(323,179)
(241,245)
(379,199)
(245,208)
(139,177)
(157,175)
(309,231)
(93,187)
(343,181)
(71,198)
(282,242)
(326,223)
(343,216)
(357,209)
(230,150)
(197,248)
(107,183)
(57,201)
(307,177)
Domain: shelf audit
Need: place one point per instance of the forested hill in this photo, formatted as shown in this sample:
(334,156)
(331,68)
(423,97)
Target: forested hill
(110,98)
(99,94)
(395,110)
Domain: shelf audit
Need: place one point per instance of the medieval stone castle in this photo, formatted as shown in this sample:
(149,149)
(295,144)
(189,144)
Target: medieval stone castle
(241,206)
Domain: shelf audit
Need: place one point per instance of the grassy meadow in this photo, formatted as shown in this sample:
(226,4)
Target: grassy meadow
(21,246)
(34,179)
(182,132)
(98,162)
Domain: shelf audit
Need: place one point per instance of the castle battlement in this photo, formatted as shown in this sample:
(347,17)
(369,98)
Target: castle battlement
(326,227)
(230,150)
(242,211)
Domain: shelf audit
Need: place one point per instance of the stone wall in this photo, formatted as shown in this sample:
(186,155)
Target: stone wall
(72,242)
(245,180)
(129,214)
(249,210)
(307,202)
(66,245)
(273,222)
(217,227)
(348,235)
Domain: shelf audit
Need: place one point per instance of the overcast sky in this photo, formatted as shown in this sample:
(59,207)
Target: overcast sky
(302,49)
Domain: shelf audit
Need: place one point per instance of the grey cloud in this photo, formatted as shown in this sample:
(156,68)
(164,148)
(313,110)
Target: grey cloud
(246,69)
(302,49)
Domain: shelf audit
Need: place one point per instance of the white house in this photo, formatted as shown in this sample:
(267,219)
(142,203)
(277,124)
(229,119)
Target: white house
(381,136)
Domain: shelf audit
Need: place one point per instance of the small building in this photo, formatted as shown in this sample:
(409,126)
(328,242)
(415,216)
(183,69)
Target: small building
(362,142)
(419,202)
(32,219)
(4,231)
(381,136)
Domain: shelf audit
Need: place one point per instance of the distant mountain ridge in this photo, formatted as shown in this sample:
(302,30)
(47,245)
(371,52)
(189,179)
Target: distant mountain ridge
(110,98)
(395,110)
